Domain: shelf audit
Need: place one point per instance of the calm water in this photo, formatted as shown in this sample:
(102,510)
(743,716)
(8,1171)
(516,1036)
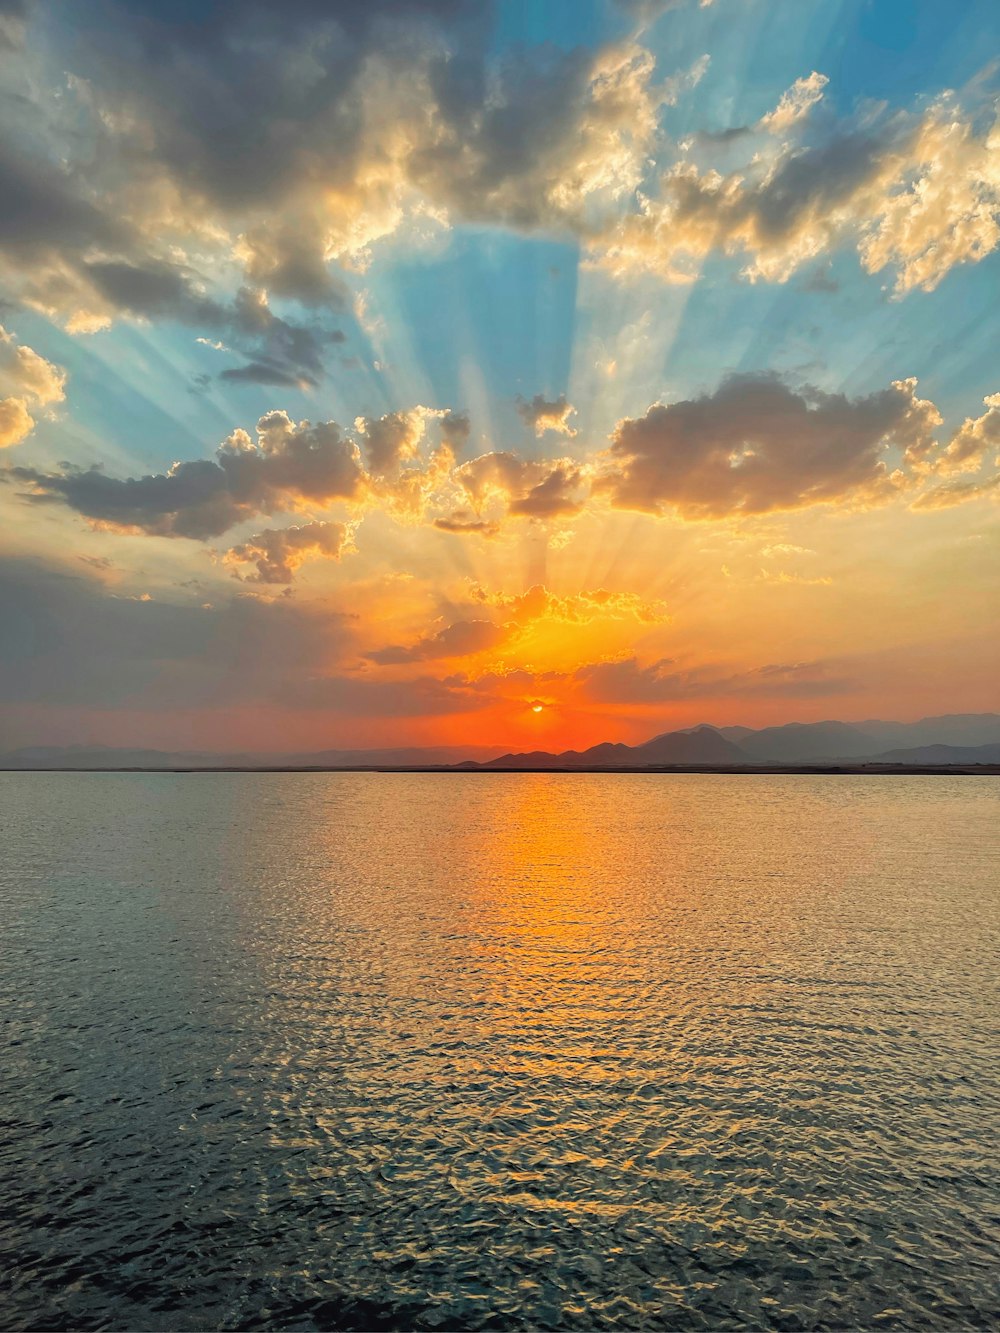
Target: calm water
(506,1051)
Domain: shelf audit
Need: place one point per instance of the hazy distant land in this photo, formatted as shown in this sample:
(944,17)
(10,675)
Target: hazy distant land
(953,743)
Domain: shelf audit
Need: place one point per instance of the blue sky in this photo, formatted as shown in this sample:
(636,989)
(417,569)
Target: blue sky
(508,304)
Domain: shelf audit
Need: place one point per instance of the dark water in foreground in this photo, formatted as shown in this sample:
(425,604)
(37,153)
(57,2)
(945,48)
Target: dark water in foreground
(559,1051)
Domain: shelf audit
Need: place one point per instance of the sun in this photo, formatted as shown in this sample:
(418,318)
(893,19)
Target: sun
(537,708)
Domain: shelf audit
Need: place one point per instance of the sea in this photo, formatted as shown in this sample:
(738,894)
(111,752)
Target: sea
(499,1051)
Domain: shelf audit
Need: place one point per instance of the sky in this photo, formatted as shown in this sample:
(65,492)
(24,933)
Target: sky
(517,374)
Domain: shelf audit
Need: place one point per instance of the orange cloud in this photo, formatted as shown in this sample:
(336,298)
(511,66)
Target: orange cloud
(27,382)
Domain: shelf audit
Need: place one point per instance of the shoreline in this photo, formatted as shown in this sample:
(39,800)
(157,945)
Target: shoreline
(744,770)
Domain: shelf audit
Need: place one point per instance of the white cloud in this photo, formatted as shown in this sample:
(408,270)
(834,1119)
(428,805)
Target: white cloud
(27,382)
(795,104)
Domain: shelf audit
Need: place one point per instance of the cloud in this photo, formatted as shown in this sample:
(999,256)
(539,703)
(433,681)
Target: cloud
(581,608)
(278,553)
(795,104)
(68,642)
(70,645)
(23,371)
(470,637)
(553,497)
(756,445)
(402,463)
(660,682)
(16,422)
(390,441)
(752,446)
(456,430)
(49,232)
(916,194)
(951,493)
(464,638)
(274,155)
(290,148)
(968,447)
(78,660)
(943,207)
(27,381)
(374,697)
(542,415)
(464,521)
(527,488)
(291,465)
(543,139)
(261,372)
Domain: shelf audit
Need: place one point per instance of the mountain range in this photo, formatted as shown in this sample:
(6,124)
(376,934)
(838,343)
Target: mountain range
(959,739)
(110,757)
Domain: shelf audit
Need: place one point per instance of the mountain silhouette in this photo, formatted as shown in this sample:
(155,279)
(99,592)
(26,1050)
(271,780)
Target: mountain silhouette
(961,739)
(701,745)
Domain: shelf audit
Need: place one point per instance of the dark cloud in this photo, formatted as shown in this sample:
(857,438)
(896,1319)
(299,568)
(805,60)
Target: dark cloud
(150,289)
(721,138)
(290,464)
(455,430)
(68,641)
(465,522)
(462,639)
(42,209)
(261,372)
(48,229)
(295,137)
(756,445)
(542,414)
(292,138)
(553,497)
(277,553)
(390,440)
(816,182)
(780,213)
(156,290)
(529,488)
(914,191)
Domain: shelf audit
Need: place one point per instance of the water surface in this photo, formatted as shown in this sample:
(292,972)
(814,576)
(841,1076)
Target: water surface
(456,1051)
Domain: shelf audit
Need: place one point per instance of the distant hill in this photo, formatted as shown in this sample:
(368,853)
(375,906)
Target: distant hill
(813,742)
(959,739)
(398,757)
(702,745)
(948,729)
(942,754)
(801,742)
(109,757)
(794,743)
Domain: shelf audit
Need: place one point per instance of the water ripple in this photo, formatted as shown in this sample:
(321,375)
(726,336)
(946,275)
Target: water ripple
(542,1051)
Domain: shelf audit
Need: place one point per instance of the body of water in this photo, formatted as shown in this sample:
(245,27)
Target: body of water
(498,1051)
